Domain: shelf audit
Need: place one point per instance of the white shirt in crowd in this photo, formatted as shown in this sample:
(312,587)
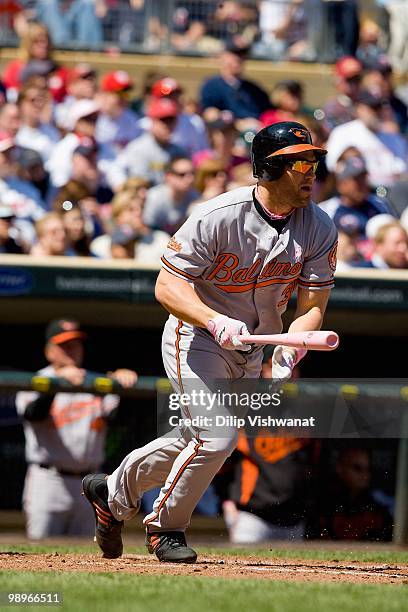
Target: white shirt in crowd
(60,163)
(144,158)
(383,166)
(41,139)
(26,204)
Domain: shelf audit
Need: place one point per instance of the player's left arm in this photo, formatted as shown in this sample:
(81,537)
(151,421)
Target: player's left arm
(310,308)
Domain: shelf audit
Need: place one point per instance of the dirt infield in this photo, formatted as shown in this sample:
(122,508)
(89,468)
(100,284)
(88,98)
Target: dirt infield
(212,566)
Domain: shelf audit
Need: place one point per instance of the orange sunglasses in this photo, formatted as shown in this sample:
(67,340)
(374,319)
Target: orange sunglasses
(303,166)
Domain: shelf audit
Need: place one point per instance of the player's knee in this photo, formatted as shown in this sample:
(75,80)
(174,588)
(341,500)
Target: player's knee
(222,445)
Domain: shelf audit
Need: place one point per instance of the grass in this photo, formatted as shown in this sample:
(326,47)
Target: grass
(319,554)
(124,593)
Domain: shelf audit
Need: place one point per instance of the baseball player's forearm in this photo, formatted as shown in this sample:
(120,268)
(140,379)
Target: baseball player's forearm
(179,298)
(310,309)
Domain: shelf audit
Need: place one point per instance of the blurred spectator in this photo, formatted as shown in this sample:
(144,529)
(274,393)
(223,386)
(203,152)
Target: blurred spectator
(390,248)
(287,96)
(398,24)
(343,20)
(65,436)
(365,133)
(82,194)
(269,492)
(371,43)
(78,20)
(141,104)
(374,224)
(177,192)
(397,195)
(51,237)
(211,179)
(378,80)
(35,45)
(24,199)
(348,511)
(147,156)
(125,22)
(77,238)
(123,242)
(30,168)
(230,91)
(82,119)
(33,132)
(283,27)
(81,85)
(8,242)
(117,124)
(85,166)
(10,119)
(189,25)
(236,23)
(340,109)
(223,135)
(348,254)
(354,205)
(127,212)
(190,132)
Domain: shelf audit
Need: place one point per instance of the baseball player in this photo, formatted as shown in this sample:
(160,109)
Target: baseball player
(228,271)
(65,436)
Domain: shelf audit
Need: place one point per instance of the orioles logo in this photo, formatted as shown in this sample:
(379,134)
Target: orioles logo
(302,134)
(333,257)
(174,245)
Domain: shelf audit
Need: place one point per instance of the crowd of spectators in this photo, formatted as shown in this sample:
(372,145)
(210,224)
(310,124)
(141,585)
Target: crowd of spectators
(87,168)
(305,30)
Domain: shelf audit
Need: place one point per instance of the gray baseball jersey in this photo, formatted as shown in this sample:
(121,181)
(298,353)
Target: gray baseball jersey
(241,267)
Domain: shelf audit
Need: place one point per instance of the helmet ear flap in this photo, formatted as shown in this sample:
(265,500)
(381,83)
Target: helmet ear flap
(269,170)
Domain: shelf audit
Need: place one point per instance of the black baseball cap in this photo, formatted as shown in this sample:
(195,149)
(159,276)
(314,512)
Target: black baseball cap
(59,331)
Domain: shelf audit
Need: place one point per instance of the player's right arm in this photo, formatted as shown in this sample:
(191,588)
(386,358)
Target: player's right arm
(179,298)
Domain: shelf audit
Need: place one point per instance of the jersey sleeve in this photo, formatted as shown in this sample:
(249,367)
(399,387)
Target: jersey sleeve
(320,264)
(191,250)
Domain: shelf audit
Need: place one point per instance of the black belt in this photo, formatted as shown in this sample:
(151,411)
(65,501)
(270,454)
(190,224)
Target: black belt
(46,466)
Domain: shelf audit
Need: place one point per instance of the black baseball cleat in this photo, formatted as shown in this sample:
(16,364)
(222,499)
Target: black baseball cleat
(107,528)
(170,547)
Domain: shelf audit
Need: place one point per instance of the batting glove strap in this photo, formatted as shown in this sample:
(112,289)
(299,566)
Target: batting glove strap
(226,331)
(284,360)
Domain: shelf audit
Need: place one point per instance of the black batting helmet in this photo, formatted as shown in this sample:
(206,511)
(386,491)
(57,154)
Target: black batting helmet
(274,142)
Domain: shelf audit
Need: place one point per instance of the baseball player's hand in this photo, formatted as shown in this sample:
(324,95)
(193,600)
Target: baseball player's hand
(284,360)
(126,378)
(226,332)
(72,374)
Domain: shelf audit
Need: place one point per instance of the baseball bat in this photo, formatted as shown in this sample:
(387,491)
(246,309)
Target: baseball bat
(313,340)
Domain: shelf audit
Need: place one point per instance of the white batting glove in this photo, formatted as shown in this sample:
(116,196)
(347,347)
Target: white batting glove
(226,332)
(284,360)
